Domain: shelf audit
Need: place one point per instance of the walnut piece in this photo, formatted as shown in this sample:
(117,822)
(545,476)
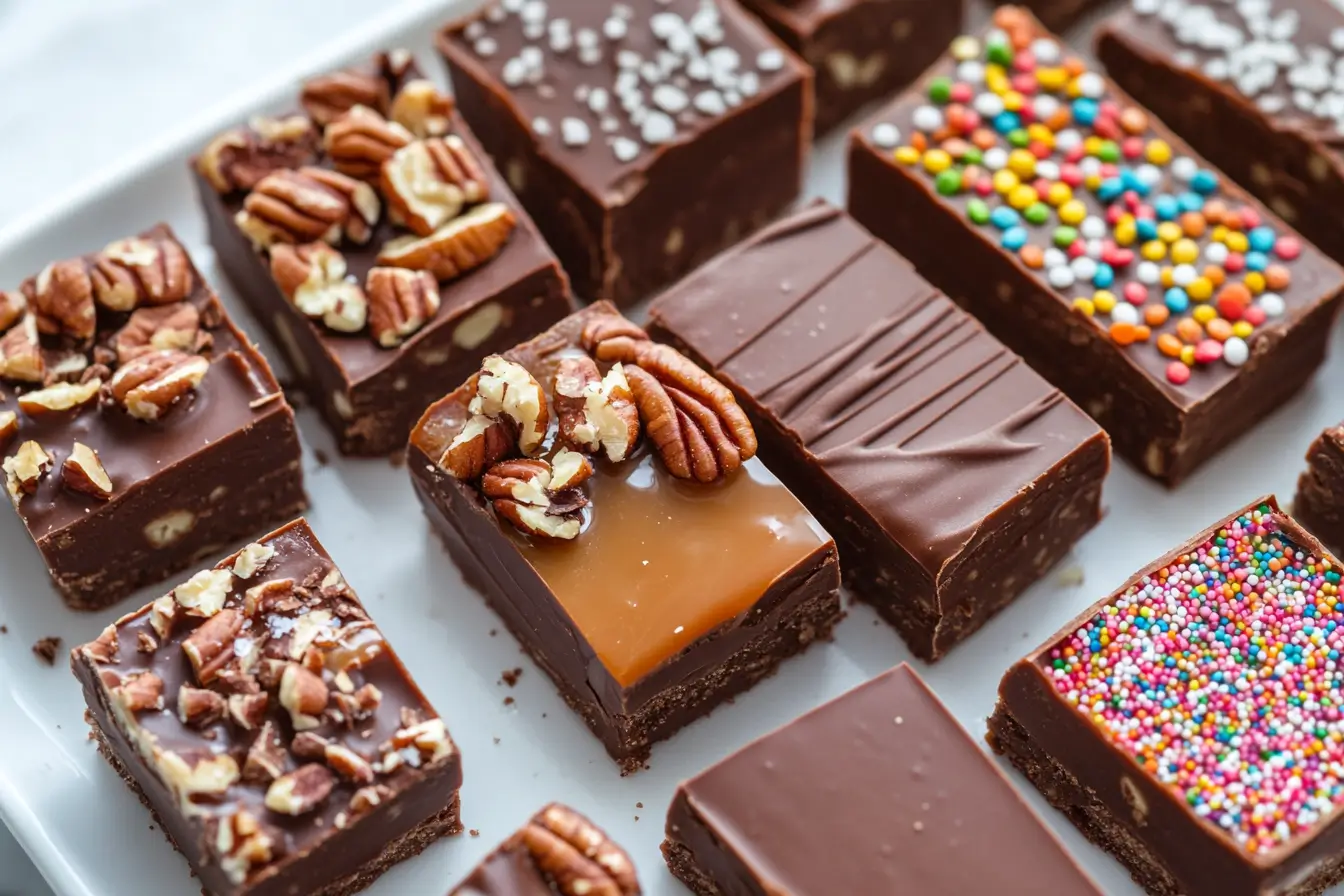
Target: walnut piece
(301,791)
(59,397)
(577,857)
(83,472)
(422,109)
(505,388)
(175,326)
(152,383)
(21,353)
(239,159)
(12,307)
(61,297)
(481,444)
(428,182)
(463,244)
(361,140)
(400,303)
(595,412)
(308,205)
(153,270)
(313,277)
(25,469)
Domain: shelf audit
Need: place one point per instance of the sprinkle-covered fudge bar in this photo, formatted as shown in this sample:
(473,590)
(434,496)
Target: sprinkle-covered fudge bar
(1169,305)
(372,238)
(139,428)
(1189,723)
(879,791)
(952,474)
(643,137)
(557,853)
(271,730)
(603,492)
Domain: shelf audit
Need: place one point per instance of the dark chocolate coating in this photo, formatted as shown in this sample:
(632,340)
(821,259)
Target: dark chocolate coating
(316,850)
(505,872)
(1319,504)
(1057,14)
(1166,430)
(1287,157)
(225,457)
(860,50)
(878,791)
(626,226)
(953,473)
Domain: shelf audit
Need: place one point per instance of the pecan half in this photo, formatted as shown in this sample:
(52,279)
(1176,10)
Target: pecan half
(361,140)
(61,297)
(154,270)
(12,306)
(400,302)
(240,158)
(83,472)
(462,245)
(174,326)
(25,469)
(301,791)
(577,856)
(313,277)
(265,757)
(427,182)
(198,707)
(420,108)
(59,397)
(481,444)
(21,353)
(327,97)
(308,205)
(9,427)
(523,480)
(505,388)
(595,412)
(525,492)
(210,647)
(152,383)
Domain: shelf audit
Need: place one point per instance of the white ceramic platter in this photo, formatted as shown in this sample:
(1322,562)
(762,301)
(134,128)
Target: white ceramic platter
(90,837)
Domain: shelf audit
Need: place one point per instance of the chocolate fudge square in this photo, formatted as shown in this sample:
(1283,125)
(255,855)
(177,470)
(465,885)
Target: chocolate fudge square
(952,474)
(557,853)
(1167,303)
(1271,120)
(602,492)
(140,429)
(878,791)
(372,238)
(642,137)
(860,50)
(272,732)
(1058,15)
(1319,504)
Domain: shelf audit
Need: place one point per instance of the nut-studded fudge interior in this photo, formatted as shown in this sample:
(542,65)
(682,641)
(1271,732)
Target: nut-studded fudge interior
(122,372)
(557,852)
(268,724)
(1217,673)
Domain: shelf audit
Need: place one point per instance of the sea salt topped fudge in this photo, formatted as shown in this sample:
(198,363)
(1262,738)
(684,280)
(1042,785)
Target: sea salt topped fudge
(643,137)
(139,428)
(273,733)
(1254,87)
(1169,305)
(1189,724)
(372,238)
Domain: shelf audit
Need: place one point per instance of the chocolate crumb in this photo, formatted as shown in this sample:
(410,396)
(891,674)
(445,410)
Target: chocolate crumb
(46,648)
(636,818)
(639,805)
(473,832)
(4,629)
(321,457)
(496,740)
(397,459)
(511,676)
(508,701)
(493,632)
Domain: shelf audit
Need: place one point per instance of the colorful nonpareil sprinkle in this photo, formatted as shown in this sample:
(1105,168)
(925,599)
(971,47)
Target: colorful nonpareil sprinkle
(1039,151)
(1219,673)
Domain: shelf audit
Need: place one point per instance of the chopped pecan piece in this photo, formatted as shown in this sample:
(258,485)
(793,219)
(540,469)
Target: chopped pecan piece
(523,493)
(361,140)
(71,367)
(198,707)
(349,764)
(240,158)
(175,326)
(304,696)
(308,205)
(265,757)
(578,857)
(523,480)
(463,244)
(301,791)
(596,412)
(152,383)
(307,745)
(248,710)
(154,270)
(210,647)
(505,388)
(242,844)
(106,648)
(61,297)
(481,444)
(25,469)
(21,353)
(208,778)
(313,277)
(569,470)
(83,472)
(59,397)
(9,427)
(140,692)
(12,307)
(420,108)
(368,798)
(251,559)
(204,593)
(428,182)
(400,302)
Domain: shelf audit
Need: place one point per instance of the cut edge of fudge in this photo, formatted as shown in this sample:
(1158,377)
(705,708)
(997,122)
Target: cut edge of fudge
(1319,503)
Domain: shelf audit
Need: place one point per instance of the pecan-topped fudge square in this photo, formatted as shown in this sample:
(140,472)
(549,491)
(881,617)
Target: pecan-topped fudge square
(271,730)
(1163,299)
(643,137)
(557,853)
(374,241)
(140,429)
(603,492)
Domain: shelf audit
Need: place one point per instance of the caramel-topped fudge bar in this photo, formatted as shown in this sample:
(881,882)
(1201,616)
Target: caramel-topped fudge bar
(1252,86)
(139,428)
(1189,723)
(643,137)
(951,473)
(879,791)
(372,238)
(271,730)
(1166,302)
(557,853)
(602,491)
(1319,504)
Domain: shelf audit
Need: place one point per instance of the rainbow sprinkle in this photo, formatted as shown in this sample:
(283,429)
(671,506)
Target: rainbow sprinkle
(1219,673)
(1022,132)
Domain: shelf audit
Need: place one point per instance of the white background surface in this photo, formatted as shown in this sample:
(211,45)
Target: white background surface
(88,84)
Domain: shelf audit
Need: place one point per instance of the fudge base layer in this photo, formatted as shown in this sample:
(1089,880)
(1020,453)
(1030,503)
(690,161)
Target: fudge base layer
(788,621)
(1319,504)
(682,863)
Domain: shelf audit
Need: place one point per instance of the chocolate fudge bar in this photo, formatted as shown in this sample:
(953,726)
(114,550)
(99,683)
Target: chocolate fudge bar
(878,791)
(1169,305)
(1319,504)
(557,853)
(373,240)
(140,429)
(1188,723)
(1253,88)
(602,491)
(860,50)
(952,474)
(1059,14)
(272,732)
(642,137)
